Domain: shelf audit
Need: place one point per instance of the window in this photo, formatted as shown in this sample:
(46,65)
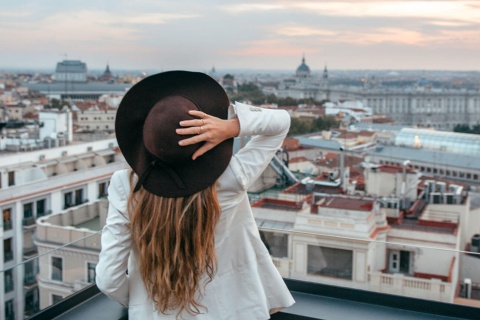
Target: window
(7,250)
(276,243)
(7,219)
(78,196)
(73,198)
(68,200)
(8,280)
(41,208)
(11,178)
(30,273)
(56,298)
(57,269)
(399,261)
(31,302)
(9,311)
(91,272)
(28,210)
(330,262)
(102,189)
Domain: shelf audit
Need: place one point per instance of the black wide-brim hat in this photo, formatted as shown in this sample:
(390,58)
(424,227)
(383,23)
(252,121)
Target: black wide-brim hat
(145,127)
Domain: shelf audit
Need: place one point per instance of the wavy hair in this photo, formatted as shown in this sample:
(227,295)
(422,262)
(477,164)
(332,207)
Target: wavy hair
(174,238)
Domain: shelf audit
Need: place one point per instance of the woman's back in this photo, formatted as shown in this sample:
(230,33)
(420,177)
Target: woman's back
(243,284)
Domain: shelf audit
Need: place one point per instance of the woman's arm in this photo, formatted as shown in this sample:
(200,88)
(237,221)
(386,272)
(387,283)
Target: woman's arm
(267,127)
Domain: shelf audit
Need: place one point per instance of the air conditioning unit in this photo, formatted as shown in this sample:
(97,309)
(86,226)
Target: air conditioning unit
(41,157)
(89,149)
(111,145)
(64,153)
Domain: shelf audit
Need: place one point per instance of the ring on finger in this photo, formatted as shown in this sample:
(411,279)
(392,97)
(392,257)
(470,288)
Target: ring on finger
(201,129)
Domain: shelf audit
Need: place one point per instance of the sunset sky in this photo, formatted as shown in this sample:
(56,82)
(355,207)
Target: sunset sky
(231,34)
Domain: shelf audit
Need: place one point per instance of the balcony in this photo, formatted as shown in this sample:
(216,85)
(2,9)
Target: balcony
(28,222)
(7,225)
(29,281)
(7,256)
(42,214)
(8,286)
(29,252)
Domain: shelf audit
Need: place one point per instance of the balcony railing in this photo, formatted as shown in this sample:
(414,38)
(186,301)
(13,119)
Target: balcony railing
(7,225)
(42,214)
(8,286)
(7,256)
(28,221)
(29,252)
(29,280)
(403,285)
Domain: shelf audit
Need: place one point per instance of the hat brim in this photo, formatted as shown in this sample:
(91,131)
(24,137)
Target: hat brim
(196,175)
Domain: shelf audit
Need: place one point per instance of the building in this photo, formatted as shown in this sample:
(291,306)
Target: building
(70,71)
(36,184)
(420,105)
(389,240)
(71,268)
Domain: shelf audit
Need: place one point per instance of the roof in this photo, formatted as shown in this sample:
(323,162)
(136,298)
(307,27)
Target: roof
(79,87)
(427,156)
(347,203)
(318,143)
(71,66)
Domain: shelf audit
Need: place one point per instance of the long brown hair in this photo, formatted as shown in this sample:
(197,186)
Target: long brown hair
(174,238)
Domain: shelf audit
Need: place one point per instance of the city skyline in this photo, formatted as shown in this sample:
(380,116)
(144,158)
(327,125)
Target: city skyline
(272,35)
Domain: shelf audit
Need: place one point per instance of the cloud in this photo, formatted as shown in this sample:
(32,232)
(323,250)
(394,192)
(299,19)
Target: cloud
(461,10)
(302,31)
(157,18)
(251,7)
(267,48)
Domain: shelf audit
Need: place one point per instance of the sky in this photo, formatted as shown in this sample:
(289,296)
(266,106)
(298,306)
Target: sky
(231,34)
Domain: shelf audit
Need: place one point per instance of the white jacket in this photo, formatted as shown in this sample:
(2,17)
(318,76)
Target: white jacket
(247,285)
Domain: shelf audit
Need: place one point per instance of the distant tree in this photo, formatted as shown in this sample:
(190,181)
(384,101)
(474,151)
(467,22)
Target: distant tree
(271,98)
(288,101)
(300,126)
(54,104)
(324,123)
(476,129)
(464,128)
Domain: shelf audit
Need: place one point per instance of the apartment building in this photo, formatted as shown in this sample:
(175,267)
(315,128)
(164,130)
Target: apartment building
(403,242)
(71,268)
(36,184)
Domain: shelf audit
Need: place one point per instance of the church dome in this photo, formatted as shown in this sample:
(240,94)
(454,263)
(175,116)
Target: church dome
(303,70)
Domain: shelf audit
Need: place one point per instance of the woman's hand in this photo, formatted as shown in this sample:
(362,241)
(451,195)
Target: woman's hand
(209,129)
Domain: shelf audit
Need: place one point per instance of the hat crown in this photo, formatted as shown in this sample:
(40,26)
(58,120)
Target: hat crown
(159,136)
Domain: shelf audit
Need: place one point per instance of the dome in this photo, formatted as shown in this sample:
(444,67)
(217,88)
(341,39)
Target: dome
(303,70)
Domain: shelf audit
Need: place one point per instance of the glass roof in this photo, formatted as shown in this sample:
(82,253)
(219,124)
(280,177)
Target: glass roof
(462,143)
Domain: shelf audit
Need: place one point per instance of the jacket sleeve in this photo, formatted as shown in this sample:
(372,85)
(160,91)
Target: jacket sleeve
(267,128)
(111,270)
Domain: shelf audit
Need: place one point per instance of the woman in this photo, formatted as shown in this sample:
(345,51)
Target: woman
(180,240)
